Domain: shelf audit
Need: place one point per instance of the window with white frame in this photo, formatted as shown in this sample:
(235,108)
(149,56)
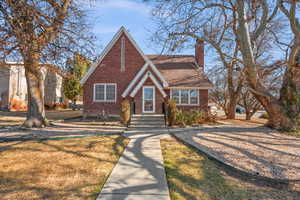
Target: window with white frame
(105,92)
(185,96)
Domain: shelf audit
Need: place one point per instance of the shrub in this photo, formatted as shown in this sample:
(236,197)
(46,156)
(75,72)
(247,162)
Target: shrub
(264,116)
(198,117)
(125,111)
(194,117)
(172,112)
(180,118)
(210,117)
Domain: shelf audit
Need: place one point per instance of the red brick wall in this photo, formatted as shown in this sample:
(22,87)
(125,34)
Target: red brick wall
(109,71)
(138,99)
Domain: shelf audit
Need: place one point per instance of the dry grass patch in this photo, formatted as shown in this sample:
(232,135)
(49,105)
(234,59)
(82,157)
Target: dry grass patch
(57,169)
(17,118)
(63,114)
(192,176)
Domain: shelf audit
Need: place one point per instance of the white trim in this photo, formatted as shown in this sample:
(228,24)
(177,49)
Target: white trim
(105,84)
(134,80)
(140,73)
(160,76)
(143,80)
(153,99)
(189,97)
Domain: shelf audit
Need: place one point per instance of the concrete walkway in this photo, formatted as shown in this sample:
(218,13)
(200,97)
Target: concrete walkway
(140,172)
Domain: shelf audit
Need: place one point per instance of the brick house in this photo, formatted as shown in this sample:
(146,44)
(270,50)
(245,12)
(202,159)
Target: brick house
(123,71)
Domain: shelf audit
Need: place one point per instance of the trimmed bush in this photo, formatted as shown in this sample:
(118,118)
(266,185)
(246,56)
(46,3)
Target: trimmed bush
(172,112)
(264,116)
(180,118)
(193,117)
(125,111)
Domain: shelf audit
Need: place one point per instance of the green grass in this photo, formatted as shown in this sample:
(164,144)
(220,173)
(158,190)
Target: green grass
(192,176)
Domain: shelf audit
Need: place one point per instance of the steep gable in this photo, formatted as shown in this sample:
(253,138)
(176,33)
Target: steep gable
(113,50)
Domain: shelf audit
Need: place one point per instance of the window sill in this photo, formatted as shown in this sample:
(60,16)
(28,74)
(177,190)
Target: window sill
(187,105)
(98,101)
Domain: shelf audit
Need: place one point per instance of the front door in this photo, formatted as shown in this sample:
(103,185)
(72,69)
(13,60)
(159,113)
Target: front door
(148,99)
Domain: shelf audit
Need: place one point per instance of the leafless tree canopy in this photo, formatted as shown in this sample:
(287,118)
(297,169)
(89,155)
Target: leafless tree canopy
(36,31)
(215,22)
(56,28)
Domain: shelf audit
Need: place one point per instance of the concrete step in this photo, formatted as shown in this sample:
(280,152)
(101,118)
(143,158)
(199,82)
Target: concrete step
(147,122)
(147,118)
(147,115)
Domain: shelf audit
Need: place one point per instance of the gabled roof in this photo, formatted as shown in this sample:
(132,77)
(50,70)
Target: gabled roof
(181,71)
(108,48)
(147,75)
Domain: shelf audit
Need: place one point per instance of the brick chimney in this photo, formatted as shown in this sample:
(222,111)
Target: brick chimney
(199,52)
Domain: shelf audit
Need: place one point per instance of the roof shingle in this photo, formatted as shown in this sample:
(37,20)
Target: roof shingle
(180,70)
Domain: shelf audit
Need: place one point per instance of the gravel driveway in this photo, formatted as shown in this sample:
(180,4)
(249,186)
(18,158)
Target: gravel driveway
(256,150)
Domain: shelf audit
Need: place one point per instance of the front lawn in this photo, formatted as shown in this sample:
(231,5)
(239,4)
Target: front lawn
(192,176)
(57,169)
(17,118)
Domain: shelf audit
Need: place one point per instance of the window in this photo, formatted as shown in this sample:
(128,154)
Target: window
(175,95)
(185,97)
(105,92)
(194,97)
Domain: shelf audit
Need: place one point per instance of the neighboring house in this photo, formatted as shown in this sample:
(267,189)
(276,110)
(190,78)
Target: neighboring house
(123,71)
(13,86)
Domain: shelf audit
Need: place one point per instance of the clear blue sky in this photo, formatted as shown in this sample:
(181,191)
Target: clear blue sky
(108,16)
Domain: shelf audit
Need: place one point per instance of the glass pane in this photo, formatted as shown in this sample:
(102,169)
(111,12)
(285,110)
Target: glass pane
(99,92)
(176,99)
(175,95)
(148,93)
(184,96)
(148,105)
(110,92)
(193,97)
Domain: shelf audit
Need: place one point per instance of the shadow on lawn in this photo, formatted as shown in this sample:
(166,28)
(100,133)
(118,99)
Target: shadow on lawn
(28,183)
(57,130)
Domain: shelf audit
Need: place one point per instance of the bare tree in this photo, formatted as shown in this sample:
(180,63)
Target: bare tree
(227,83)
(36,31)
(249,102)
(248,24)
(284,112)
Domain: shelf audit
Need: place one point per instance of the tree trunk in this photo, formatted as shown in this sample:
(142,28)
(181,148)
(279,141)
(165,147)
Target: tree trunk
(35,88)
(278,117)
(248,116)
(231,108)
(278,110)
